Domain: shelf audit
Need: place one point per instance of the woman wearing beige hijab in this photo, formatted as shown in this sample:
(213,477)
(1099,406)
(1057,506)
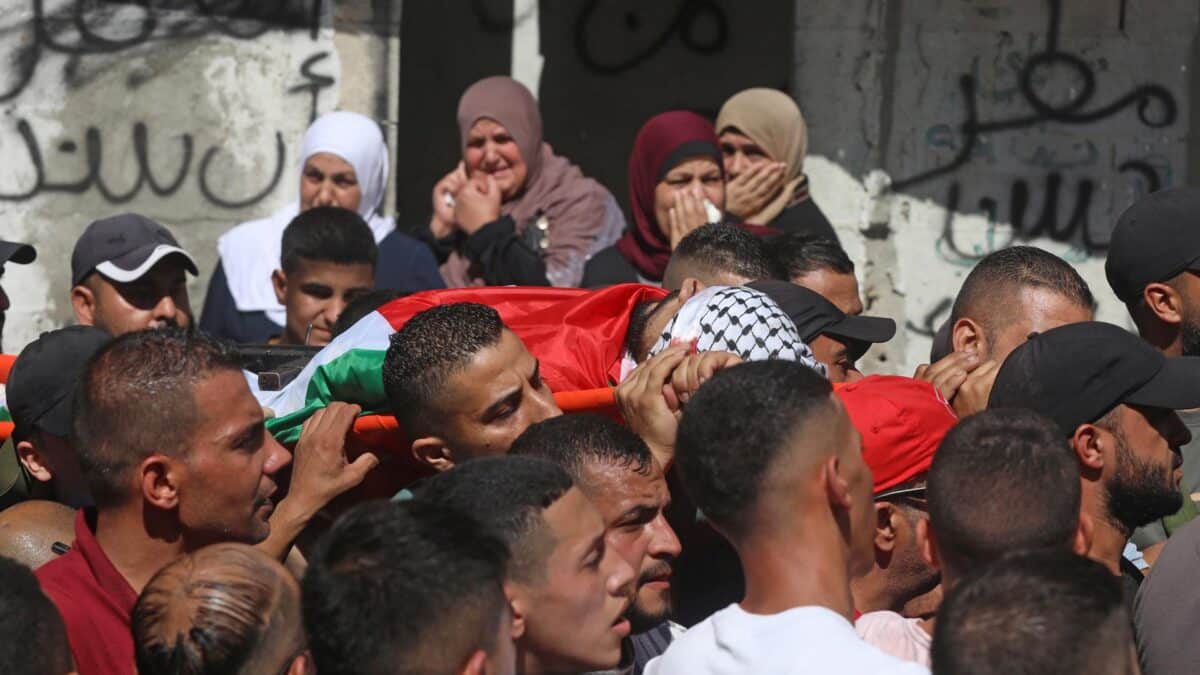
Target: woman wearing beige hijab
(513,211)
(763,143)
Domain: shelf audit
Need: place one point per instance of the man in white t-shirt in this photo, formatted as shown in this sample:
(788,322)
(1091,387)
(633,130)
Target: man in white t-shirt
(770,457)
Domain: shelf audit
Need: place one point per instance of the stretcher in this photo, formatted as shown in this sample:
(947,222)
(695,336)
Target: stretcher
(382,431)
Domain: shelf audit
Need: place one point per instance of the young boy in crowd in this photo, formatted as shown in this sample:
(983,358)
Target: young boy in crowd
(328,259)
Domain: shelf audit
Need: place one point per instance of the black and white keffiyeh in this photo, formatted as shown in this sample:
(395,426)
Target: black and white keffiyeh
(739,320)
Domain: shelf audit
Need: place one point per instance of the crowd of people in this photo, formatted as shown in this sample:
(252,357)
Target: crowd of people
(541,438)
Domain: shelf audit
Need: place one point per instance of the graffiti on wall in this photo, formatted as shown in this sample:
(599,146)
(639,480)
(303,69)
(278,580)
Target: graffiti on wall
(1154,106)
(1064,172)
(81,29)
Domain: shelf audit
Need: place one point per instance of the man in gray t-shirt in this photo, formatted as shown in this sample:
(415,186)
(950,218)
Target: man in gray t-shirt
(1167,609)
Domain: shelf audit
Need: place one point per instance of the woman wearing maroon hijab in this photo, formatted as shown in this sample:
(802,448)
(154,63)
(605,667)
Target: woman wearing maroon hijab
(676,184)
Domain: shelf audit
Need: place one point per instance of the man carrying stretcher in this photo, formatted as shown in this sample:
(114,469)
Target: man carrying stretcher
(466,371)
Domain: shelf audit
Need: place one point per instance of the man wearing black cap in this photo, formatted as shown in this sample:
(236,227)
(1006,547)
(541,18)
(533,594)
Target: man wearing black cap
(837,339)
(1114,398)
(1153,266)
(38,461)
(127,274)
(21,254)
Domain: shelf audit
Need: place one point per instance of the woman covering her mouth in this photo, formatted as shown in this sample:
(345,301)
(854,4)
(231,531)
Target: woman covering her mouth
(512,211)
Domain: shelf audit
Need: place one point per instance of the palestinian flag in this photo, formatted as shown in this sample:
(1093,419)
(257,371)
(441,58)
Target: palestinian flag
(578,335)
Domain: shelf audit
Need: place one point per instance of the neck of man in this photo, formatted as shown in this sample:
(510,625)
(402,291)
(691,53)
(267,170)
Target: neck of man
(530,662)
(136,542)
(871,592)
(1166,338)
(1108,536)
(801,563)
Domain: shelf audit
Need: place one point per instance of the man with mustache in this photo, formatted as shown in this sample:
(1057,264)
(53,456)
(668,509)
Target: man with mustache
(128,274)
(1114,399)
(176,457)
(617,473)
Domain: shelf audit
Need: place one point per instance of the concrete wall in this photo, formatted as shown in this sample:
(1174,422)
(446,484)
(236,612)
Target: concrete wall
(179,111)
(995,122)
(939,129)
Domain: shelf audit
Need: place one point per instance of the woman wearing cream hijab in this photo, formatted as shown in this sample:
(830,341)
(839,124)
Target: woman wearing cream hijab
(763,143)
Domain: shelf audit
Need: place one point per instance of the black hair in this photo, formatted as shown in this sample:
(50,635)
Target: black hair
(800,254)
(1035,612)
(987,294)
(136,398)
(1002,480)
(639,318)
(363,305)
(508,495)
(724,249)
(35,637)
(237,608)
(403,588)
(736,426)
(328,234)
(432,347)
(574,441)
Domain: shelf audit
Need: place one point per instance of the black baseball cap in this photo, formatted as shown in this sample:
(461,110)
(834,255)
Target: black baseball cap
(1155,239)
(41,384)
(123,248)
(814,315)
(11,251)
(1077,373)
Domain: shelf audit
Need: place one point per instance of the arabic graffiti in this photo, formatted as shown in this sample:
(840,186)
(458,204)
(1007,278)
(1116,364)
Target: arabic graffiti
(701,25)
(93,159)
(53,32)
(80,28)
(1156,106)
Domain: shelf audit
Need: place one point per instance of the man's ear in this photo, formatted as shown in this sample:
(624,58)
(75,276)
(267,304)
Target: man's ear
(517,607)
(966,335)
(476,665)
(1088,444)
(302,664)
(927,544)
(279,283)
(885,526)
(433,453)
(32,461)
(1084,535)
(1164,302)
(690,287)
(83,301)
(836,488)
(159,481)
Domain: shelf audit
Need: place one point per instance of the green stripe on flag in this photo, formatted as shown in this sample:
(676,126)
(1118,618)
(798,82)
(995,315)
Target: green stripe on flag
(353,377)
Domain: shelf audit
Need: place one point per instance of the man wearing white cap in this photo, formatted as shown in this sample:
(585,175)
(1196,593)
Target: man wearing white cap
(127,274)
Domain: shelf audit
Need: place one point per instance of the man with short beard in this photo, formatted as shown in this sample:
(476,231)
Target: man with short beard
(617,473)
(1114,398)
(1153,266)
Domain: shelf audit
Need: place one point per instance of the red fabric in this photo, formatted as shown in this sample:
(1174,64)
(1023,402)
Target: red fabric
(902,422)
(95,602)
(578,335)
(643,244)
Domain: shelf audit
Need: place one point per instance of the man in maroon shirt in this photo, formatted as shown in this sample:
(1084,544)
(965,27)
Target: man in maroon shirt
(176,456)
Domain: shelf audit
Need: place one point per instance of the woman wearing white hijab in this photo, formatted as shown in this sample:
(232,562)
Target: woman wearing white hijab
(344,162)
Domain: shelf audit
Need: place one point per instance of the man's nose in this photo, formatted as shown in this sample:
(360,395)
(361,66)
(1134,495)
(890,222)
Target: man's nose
(166,309)
(664,543)
(279,457)
(546,407)
(621,579)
